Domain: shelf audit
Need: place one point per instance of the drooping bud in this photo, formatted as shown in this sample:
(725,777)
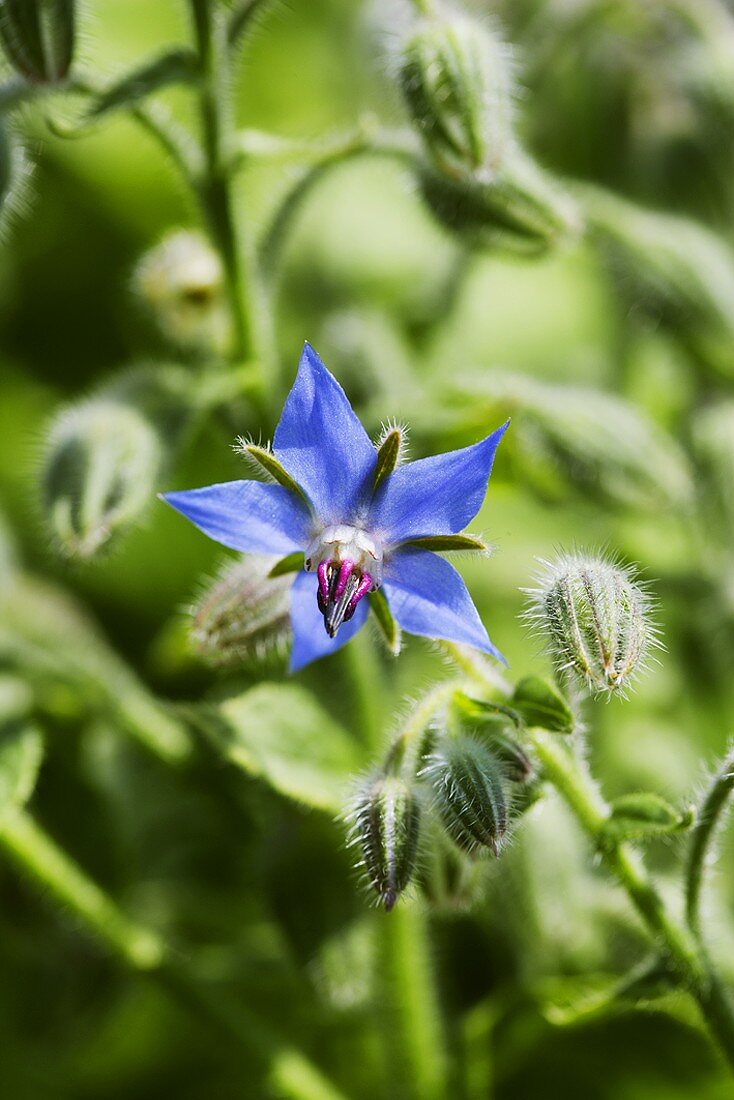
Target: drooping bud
(713,438)
(181,283)
(101,467)
(38,37)
(456,77)
(104,457)
(386,827)
(244,616)
(14,172)
(469,788)
(679,272)
(578,437)
(596,620)
(519,207)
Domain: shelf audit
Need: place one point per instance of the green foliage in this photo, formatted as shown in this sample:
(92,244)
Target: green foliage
(280,733)
(464,240)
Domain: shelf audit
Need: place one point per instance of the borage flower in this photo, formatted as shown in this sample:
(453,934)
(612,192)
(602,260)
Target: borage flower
(358,528)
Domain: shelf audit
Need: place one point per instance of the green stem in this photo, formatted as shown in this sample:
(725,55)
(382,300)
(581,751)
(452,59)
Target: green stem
(143,951)
(407,744)
(682,950)
(215,190)
(415,1037)
(702,838)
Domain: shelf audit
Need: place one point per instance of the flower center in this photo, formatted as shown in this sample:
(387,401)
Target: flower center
(348,562)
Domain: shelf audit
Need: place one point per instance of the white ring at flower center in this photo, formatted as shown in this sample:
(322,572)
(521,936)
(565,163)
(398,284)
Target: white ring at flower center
(342,542)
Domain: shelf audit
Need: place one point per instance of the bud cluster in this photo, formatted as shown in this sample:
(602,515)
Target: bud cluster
(596,620)
(458,790)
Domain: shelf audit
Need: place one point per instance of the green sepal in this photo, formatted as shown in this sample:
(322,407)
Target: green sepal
(541,704)
(643,815)
(386,621)
(271,465)
(481,712)
(388,456)
(291,563)
(179,66)
(443,543)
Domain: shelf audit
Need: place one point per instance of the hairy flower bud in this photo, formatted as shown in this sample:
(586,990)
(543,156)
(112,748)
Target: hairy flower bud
(100,469)
(596,620)
(456,77)
(596,442)
(520,207)
(386,826)
(181,283)
(469,787)
(244,615)
(713,438)
(679,272)
(14,173)
(38,37)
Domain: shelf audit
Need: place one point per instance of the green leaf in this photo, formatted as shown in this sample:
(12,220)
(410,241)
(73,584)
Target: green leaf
(541,704)
(280,733)
(179,66)
(387,456)
(291,563)
(386,621)
(269,462)
(643,815)
(440,543)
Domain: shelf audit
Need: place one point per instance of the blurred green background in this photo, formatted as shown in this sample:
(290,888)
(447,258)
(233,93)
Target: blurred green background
(262,891)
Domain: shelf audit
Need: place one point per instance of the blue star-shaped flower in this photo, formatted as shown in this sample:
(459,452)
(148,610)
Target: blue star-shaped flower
(360,529)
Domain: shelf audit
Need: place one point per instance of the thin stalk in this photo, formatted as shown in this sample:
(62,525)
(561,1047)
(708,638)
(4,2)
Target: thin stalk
(680,947)
(362,142)
(143,951)
(415,1038)
(215,189)
(702,838)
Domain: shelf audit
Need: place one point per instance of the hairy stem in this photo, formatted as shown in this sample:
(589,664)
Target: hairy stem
(702,839)
(143,951)
(682,950)
(215,189)
(415,1035)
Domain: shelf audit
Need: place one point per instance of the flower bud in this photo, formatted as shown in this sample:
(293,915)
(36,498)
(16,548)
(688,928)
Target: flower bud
(101,466)
(520,207)
(38,37)
(679,272)
(713,438)
(596,442)
(181,283)
(244,615)
(469,789)
(386,826)
(14,173)
(596,620)
(456,77)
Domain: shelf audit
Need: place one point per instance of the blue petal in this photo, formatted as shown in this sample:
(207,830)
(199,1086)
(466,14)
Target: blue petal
(322,444)
(428,597)
(310,640)
(247,516)
(435,496)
